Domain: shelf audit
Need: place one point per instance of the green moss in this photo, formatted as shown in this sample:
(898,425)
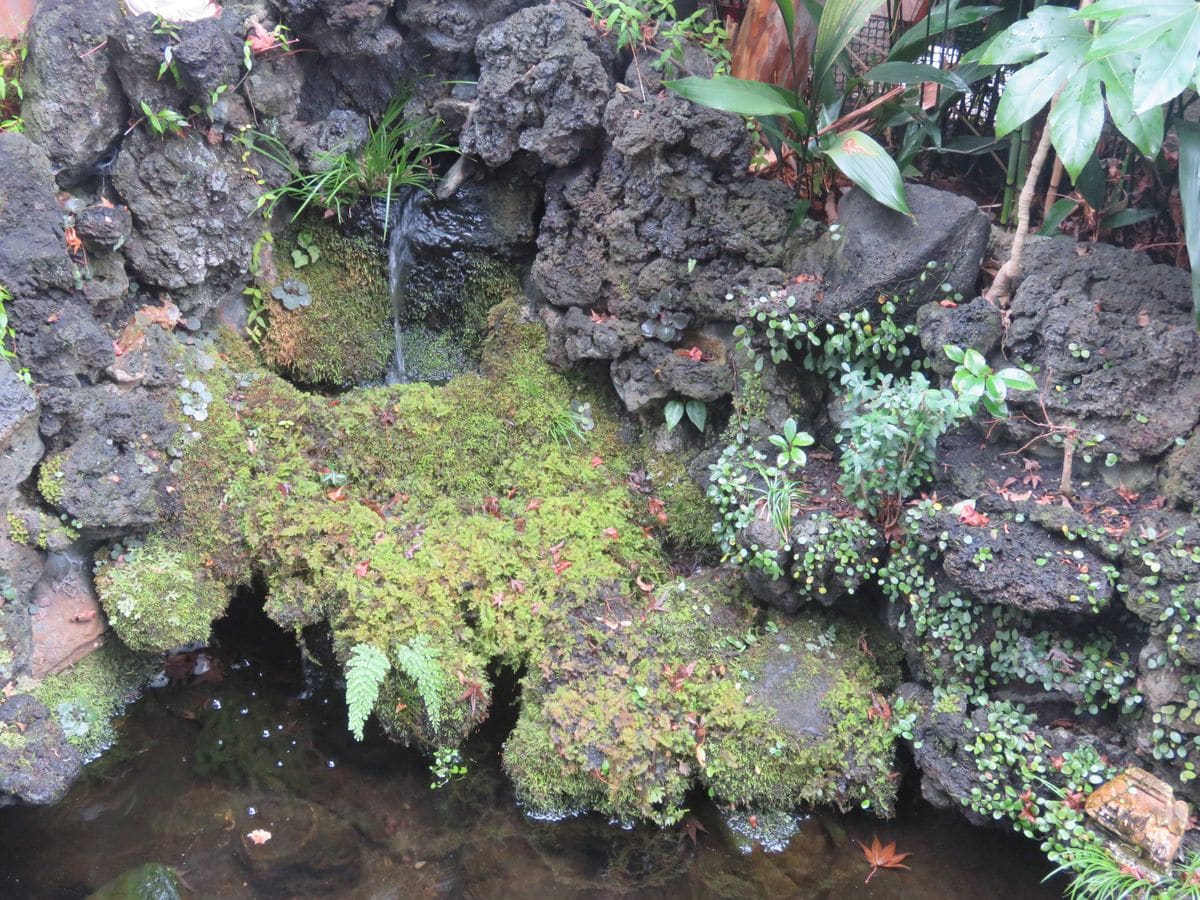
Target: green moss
(157,598)
(453,513)
(626,710)
(50,482)
(689,514)
(17,530)
(88,695)
(446,307)
(345,336)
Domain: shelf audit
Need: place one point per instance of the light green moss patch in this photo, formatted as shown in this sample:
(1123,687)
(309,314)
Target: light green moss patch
(88,695)
(158,598)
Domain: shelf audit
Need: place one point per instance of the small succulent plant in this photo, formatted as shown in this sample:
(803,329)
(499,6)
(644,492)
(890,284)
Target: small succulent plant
(293,294)
(664,324)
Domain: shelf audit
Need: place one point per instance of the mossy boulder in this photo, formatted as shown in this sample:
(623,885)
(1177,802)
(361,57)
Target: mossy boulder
(159,598)
(343,335)
(85,697)
(450,529)
(632,704)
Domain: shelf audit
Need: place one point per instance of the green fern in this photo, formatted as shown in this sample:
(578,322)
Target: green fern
(365,671)
(419,661)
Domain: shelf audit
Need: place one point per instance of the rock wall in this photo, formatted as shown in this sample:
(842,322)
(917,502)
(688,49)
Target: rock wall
(645,246)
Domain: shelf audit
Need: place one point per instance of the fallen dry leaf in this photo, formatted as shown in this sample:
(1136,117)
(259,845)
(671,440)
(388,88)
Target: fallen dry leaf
(882,856)
(259,836)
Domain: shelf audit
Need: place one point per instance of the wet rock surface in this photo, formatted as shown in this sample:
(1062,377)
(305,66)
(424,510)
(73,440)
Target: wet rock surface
(37,766)
(73,105)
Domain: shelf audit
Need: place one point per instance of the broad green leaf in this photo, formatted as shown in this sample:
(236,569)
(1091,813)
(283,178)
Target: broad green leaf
(737,95)
(1032,87)
(1017,379)
(1127,217)
(1144,131)
(868,165)
(673,413)
(1077,119)
(1105,10)
(1062,208)
(1043,31)
(915,73)
(1189,195)
(953,352)
(1092,184)
(1170,65)
(975,362)
(697,412)
(840,21)
(936,22)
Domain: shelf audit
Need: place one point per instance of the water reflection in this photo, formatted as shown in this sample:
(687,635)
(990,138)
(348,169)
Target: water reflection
(200,766)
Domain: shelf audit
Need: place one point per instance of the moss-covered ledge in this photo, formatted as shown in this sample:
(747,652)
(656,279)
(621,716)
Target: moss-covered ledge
(439,530)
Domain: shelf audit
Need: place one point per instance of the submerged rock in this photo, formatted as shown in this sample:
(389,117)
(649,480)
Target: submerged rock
(152,881)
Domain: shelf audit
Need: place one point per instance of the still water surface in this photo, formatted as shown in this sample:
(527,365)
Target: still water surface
(200,766)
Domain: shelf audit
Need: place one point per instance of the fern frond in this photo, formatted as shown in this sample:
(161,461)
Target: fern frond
(365,671)
(418,659)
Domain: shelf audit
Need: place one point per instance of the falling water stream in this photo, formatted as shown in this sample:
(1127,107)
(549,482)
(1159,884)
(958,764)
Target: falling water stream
(400,260)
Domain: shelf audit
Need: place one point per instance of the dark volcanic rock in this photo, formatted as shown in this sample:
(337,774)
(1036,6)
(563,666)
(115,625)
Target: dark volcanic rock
(20,446)
(452,26)
(192,207)
(665,222)
(38,765)
(1116,334)
(32,254)
(73,103)
(137,55)
(883,251)
(545,76)
(974,325)
(104,228)
(1068,579)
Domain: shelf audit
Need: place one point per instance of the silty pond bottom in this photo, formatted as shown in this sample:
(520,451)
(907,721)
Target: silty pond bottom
(200,764)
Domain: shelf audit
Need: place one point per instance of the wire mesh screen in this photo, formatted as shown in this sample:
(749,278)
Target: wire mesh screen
(970,113)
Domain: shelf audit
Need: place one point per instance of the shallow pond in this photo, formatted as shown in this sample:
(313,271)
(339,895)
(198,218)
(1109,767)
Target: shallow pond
(198,767)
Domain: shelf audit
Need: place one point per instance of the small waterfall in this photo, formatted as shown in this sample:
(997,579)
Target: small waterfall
(400,259)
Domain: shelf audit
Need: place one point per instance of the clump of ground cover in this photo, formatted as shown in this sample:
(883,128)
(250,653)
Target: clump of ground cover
(158,597)
(441,530)
(340,331)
